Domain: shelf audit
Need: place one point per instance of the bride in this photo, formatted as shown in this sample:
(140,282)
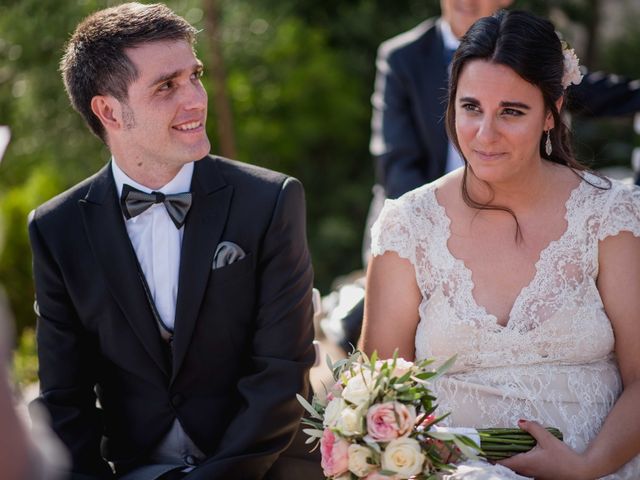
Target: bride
(523,264)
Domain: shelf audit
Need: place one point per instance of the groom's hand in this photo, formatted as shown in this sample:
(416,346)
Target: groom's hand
(550,459)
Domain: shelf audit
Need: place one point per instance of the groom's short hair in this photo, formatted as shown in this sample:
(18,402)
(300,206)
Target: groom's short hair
(95,62)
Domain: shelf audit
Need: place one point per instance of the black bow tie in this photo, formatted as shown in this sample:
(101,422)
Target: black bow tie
(134,202)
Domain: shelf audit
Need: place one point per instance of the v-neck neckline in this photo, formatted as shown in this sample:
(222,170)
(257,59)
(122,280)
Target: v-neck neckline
(468,272)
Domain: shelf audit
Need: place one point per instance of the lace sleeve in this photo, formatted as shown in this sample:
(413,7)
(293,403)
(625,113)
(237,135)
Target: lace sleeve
(392,231)
(622,213)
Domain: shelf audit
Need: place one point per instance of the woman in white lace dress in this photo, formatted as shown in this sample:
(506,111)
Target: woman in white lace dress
(523,264)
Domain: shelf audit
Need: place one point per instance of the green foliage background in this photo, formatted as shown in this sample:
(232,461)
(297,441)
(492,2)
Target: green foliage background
(300,76)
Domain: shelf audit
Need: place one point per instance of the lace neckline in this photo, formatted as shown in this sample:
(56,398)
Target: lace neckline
(467,274)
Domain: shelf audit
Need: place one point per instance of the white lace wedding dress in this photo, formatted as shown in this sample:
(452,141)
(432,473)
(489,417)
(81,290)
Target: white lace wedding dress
(553,362)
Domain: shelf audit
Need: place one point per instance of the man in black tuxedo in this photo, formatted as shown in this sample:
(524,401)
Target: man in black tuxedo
(172,286)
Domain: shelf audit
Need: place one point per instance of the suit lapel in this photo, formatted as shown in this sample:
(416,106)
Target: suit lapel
(437,81)
(203,231)
(111,245)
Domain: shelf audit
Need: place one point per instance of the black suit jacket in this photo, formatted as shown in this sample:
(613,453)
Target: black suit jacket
(243,336)
(409,141)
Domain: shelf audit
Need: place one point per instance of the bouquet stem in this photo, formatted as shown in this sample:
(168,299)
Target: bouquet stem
(501,443)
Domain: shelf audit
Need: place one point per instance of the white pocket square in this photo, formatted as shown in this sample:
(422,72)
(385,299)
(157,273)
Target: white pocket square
(227,253)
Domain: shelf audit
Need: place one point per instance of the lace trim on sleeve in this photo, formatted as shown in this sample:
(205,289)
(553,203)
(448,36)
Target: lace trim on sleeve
(622,213)
(392,231)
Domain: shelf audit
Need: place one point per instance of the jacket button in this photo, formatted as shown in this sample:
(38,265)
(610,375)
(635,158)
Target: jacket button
(176,399)
(191,460)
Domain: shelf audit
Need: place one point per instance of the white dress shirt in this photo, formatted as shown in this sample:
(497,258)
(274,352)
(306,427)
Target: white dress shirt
(451,42)
(157,241)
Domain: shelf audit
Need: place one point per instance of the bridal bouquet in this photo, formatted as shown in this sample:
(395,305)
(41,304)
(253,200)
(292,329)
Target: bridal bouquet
(377,421)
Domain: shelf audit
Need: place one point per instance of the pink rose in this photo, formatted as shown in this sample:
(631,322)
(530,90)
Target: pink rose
(381,421)
(335,460)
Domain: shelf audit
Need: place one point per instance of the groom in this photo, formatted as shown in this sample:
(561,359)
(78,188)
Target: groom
(173,287)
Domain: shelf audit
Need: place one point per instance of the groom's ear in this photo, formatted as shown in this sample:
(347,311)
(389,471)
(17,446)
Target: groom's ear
(108,111)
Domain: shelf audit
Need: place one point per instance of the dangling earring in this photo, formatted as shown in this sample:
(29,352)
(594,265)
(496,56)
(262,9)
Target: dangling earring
(547,145)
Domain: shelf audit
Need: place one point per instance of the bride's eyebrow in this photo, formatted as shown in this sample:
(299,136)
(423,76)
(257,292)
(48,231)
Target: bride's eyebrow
(503,104)
(520,105)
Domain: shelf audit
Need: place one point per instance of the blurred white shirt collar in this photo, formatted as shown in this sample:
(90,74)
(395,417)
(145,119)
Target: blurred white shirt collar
(449,39)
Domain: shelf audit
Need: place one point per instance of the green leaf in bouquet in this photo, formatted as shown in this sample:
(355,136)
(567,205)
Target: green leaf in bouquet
(444,436)
(467,447)
(359,357)
(404,378)
(440,418)
(314,423)
(422,377)
(388,473)
(373,360)
(469,442)
(428,405)
(329,362)
(379,381)
(401,387)
(307,406)
(338,368)
(422,364)
(408,397)
(313,432)
(444,367)
(371,443)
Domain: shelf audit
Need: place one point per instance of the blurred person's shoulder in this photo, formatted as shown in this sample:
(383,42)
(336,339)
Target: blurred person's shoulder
(410,42)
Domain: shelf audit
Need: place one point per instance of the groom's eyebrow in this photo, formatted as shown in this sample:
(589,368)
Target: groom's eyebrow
(196,67)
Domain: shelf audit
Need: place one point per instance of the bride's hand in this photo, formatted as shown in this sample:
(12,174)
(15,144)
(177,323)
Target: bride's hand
(550,459)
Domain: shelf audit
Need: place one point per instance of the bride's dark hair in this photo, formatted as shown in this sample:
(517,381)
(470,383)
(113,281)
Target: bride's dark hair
(529,46)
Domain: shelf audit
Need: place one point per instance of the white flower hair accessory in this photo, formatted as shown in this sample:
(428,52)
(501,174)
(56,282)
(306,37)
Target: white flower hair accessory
(571,73)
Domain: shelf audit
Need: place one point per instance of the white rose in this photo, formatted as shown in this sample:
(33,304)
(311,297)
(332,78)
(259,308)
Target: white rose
(402,366)
(350,422)
(359,388)
(332,412)
(360,460)
(403,455)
